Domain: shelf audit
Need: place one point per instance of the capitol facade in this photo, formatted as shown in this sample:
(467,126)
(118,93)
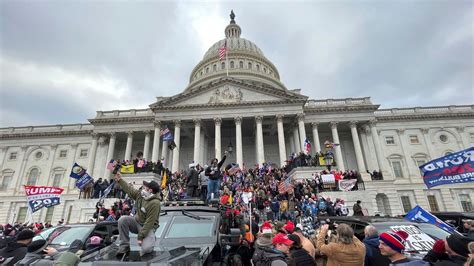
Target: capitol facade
(241,102)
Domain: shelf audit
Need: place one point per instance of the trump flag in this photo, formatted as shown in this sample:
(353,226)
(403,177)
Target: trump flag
(420,215)
(453,168)
(42,196)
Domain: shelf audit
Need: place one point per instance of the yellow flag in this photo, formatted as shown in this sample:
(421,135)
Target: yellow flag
(163,180)
(127,169)
(321,160)
(230,199)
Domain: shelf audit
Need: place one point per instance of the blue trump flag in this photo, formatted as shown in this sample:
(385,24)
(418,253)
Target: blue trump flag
(453,168)
(83,178)
(420,215)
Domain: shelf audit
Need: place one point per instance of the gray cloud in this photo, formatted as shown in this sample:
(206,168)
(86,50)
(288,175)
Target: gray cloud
(62,61)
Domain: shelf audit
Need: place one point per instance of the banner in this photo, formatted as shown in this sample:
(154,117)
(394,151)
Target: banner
(328,179)
(42,196)
(417,240)
(347,184)
(450,169)
(418,214)
(127,169)
(83,178)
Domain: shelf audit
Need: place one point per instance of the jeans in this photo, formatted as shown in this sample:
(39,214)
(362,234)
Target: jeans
(213,187)
(127,224)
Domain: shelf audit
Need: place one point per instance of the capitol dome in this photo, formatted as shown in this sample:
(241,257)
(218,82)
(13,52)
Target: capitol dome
(244,61)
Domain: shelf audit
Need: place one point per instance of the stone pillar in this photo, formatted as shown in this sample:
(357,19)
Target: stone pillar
(296,140)
(410,164)
(128,149)
(426,138)
(146,146)
(335,138)
(357,148)
(302,131)
(260,148)
(203,154)
(238,140)
(155,150)
(110,151)
(464,141)
(197,140)
(177,135)
(292,144)
(164,154)
(317,146)
(71,181)
(92,153)
(218,141)
(378,148)
(281,140)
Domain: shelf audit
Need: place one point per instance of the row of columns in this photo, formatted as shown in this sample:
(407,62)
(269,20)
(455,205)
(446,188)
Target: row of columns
(296,141)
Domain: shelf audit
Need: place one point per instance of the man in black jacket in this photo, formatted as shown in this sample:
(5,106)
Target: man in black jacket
(373,257)
(192,184)
(456,247)
(16,250)
(214,174)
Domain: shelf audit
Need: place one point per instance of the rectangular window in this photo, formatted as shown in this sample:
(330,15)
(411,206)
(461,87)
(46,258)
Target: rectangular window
(433,203)
(420,162)
(63,154)
(13,155)
(49,214)
(21,217)
(83,153)
(397,168)
(406,203)
(465,202)
(57,179)
(414,139)
(389,140)
(7,179)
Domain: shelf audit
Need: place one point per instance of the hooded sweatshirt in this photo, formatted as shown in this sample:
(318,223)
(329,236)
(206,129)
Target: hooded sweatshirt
(14,250)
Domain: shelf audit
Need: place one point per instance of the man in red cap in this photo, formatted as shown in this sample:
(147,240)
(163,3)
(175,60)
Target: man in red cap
(277,256)
(146,220)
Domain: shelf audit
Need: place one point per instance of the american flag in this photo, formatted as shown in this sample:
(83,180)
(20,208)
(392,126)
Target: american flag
(284,186)
(164,131)
(222,51)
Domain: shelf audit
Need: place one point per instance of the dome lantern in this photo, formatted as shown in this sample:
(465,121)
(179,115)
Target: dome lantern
(232,30)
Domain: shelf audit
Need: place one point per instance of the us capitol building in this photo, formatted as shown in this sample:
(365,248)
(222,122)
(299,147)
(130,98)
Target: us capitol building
(243,104)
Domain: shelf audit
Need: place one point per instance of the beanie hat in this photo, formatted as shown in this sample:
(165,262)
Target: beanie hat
(459,244)
(289,227)
(266,228)
(438,247)
(395,241)
(25,235)
(37,246)
(95,240)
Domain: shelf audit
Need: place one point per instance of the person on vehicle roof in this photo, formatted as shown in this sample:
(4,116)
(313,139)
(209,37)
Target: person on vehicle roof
(392,245)
(146,219)
(213,171)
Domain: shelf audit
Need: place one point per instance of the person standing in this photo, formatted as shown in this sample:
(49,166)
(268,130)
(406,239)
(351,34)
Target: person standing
(392,244)
(192,185)
(214,174)
(358,209)
(204,180)
(146,219)
(373,257)
(16,250)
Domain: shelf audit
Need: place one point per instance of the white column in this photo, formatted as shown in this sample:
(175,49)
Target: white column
(317,146)
(203,153)
(238,140)
(292,144)
(71,181)
(218,141)
(296,140)
(197,140)
(464,141)
(428,144)
(146,146)
(164,154)
(128,149)
(335,138)
(177,135)
(378,148)
(357,148)
(409,162)
(302,131)
(110,150)
(92,153)
(281,140)
(50,167)
(155,151)
(260,148)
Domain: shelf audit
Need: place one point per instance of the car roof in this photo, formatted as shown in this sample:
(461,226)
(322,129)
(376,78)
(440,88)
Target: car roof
(455,214)
(190,208)
(365,219)
(90,224)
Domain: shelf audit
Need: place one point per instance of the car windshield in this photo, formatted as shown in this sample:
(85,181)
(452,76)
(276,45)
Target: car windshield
(65,235)
(163,222)
(184,226)
(44,234)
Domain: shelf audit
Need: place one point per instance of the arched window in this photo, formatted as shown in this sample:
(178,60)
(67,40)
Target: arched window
(265,69)
(241,64)
(231,64)
(420,159)
(250,65)
(214,67)
(7,176)
(223,65)
(258,67)
(207,70)
(33,177)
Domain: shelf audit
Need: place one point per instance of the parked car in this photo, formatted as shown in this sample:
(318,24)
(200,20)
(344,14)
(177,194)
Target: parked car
(421,235)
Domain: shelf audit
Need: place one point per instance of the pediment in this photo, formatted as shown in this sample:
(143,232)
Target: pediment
(223,93)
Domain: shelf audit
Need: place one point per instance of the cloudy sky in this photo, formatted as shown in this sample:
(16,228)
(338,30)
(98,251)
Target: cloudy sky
(61,61)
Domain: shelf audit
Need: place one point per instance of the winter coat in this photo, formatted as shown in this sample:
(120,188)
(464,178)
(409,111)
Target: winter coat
(204,178)
(14,250)
(193,178)
(340,254)
(357,210)
(38,259)
(217,170)
(414,262)
(470,233)
(300,257)
(373,257)
(269,256)
(452,261)
(147,210)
